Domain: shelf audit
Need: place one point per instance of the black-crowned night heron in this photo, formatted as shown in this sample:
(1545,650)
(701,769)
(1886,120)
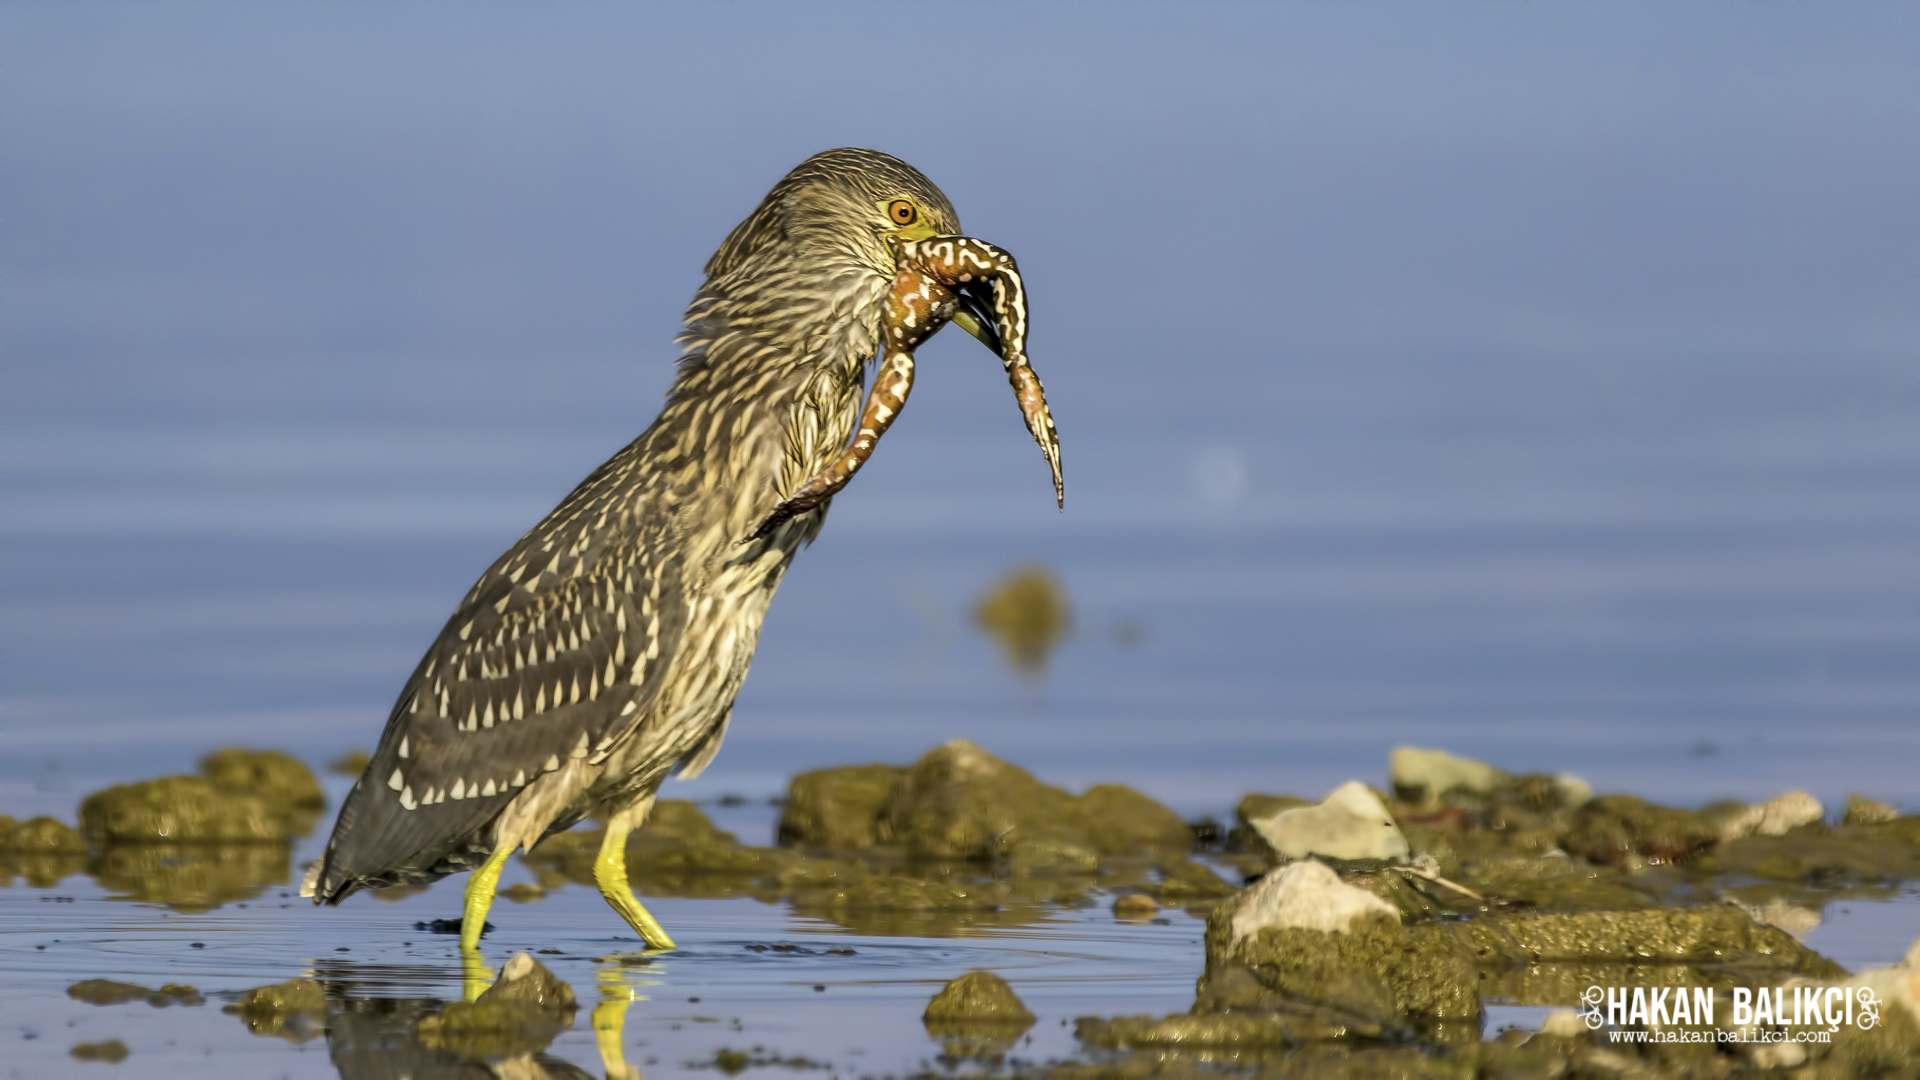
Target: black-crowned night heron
(602,652)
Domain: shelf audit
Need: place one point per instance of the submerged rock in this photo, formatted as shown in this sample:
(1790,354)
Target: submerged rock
(295,1010)
(351,763)
(837,808)
(111,1051)
(1774,817)
(519,1015)
(1425,775)
(106,992)
(1350,823)
(180,809)
(1134,907)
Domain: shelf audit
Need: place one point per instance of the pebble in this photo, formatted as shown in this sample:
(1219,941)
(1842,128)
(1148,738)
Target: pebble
(1775,816)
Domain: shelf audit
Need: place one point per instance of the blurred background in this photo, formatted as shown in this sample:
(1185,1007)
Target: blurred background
(1535,382)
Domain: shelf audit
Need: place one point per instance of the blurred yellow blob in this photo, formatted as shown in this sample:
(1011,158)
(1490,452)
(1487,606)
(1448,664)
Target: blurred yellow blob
(1027,613)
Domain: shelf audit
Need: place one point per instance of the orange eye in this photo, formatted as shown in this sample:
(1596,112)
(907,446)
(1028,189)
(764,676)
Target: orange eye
(902,212)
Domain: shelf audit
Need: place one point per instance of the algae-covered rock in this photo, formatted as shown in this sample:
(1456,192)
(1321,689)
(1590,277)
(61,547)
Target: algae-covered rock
(106,992)
(39,836)
(837,808)
(978,997)
(1188,1030)
(190,877)
(1864,811)
(111,1051)
(677,851)
(1350,823)
(1185,881)
(1846,855)
(1134,907)
(1028,615)
(295,1010)
(520,1014)
(1264,806)
(351,763)
(1334,958)
(960,802)
(179,809)
(1718,933)
(1423,775)
(1774,817)
(1612,827)
(268,774)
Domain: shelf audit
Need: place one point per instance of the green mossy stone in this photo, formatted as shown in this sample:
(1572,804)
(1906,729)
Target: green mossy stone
(294,1010)
(1719,933)
(270,775)
(837,808)
(1121,821)
(40,836)
(1613,827)
(179,809)
(978,997)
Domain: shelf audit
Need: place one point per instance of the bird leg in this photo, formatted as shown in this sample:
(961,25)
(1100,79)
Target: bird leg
(945,278)
(610,873)
(473,919)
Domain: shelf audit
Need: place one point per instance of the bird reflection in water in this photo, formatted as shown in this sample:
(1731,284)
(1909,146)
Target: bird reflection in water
(501,1031)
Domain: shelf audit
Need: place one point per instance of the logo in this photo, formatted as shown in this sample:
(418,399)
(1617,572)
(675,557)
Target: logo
(1828,1007)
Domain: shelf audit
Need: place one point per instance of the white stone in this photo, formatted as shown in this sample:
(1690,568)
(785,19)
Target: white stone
(1350,823)
(1782,1055)
(1565,1023)
(1775,816)
(1794,919)
(1574,791)
(1437,772)
(1305,895)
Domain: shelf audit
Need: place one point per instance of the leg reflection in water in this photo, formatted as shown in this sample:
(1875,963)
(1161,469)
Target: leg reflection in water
(501,1028)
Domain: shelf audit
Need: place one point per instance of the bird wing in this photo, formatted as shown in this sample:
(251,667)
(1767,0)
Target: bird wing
(555,653)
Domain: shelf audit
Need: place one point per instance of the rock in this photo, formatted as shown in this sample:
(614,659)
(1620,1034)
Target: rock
(1120,820)
(1264,806)
(523,893)
(112,1051)
(837,808)
(1305,895)
(1350,823)
(1864,811)
(1133,907)
(520,1014)
(1794,919)
(1911,961)
(1712,934)
(978,997)
(39,836)
(960,802)
(1216,1029)
(106,992)
(1335,960)
(1574,792)
(1425,775)
(351,763)
(1042,857)
(1183,880)
(1027,614)
(1610,828)
(180,809)
(294,1010)
(269,775)
(1775,816)
(1563,1023)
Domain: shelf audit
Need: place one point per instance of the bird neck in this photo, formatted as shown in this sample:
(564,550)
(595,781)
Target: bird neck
(765,399)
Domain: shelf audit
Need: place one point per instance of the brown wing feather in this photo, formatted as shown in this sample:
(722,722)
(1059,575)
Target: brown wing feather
(557,649)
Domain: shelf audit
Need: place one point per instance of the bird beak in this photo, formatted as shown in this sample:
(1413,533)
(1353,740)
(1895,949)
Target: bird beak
(976,318)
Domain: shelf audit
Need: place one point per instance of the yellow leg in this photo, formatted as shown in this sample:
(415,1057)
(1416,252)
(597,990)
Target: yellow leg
(610,873)
(480,897)
(610,1022)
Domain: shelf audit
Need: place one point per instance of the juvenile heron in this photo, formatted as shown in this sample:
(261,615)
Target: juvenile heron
(602,652)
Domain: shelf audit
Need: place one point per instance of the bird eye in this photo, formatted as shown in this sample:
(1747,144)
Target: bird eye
(902,212)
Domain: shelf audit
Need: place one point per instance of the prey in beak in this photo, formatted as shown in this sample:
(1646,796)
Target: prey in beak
(940,279)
